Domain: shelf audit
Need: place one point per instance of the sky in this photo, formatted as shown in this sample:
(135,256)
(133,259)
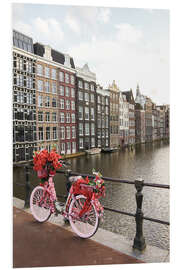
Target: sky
(128,45)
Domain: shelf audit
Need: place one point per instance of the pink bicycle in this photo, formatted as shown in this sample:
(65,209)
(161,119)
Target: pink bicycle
(82,207)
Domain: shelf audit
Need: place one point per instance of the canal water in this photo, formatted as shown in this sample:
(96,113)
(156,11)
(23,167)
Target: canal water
(149,161)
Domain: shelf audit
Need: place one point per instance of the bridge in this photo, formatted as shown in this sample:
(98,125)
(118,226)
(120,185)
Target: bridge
(111,248)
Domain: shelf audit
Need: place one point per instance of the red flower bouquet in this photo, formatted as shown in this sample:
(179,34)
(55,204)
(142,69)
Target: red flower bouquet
(46,163)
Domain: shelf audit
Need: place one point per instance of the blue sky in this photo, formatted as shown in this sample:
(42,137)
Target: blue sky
(125,44)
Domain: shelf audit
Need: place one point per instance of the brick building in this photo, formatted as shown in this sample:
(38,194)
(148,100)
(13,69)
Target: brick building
(56,121)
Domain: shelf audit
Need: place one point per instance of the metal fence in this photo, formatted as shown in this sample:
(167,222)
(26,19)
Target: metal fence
(139,240)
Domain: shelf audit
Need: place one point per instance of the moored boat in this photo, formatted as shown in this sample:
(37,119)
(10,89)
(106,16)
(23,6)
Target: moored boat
(93,151)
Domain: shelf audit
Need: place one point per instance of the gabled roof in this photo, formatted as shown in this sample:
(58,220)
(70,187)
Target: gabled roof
(129,96)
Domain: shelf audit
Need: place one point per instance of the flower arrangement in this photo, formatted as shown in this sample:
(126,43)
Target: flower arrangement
(46,163)
(87,187)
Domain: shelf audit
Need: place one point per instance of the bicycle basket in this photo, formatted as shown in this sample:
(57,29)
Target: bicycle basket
(42,173)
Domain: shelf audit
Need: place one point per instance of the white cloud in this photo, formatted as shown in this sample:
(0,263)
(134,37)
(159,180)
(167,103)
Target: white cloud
(104,15)
(72,23)
(128,33)
(49,30)
(128,65)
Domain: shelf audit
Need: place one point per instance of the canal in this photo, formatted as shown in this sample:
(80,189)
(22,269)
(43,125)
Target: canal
(151,162)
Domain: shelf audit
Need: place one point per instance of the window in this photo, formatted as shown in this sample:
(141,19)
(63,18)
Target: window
(86,97)
(61,76)
(48,136)
(86,113)
(67,91)
(40,85)
(63,148)
(62,132)
(47,116)
(72,92)
(80,113)
(107,110)
(67,117)
(72,79)
(40,133)
(81,143)
(86,128)
(92,113)
(99,133)
(92,87)
(68,144)
(80,129)
(29,66)
(47,87)
(53,72)
(99,99)
(107,133)
(107,101)
(72,105)
(74,147)
(99,108)
(40,116)
(54,133)
(68,133)
(40,101)
(73,132)
(21,80)
(29,82)
(92,98)
(47,101)
(54,88)
(99,143)
(67,105)
(54,117)
(61,103)
(62,117)
(61,90)
(66,77)
(92,142)
(80,95)
(80,84)
(92,129)
(47,72)
(54,102)
(86,86)
(73,118)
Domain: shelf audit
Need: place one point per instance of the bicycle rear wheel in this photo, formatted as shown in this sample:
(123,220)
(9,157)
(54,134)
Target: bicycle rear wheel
(40,207)
(87,225)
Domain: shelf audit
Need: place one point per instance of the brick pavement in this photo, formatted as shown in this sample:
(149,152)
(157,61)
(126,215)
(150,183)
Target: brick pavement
(46,244)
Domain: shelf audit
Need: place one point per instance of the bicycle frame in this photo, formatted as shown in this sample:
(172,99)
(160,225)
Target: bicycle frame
(50,192)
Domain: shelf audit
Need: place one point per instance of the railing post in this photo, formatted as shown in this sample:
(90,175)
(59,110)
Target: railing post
(139,240)
(27,188)
(68,184)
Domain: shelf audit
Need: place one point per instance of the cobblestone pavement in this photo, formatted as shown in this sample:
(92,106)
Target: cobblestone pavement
(45,244)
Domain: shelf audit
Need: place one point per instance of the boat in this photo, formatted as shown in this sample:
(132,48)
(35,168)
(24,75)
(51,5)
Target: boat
(93,151)
(110,150)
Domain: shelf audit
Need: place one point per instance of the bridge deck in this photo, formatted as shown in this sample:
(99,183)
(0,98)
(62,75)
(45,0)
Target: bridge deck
(38,245)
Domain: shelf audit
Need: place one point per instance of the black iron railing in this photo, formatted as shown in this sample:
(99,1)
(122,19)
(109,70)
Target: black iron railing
(139,240)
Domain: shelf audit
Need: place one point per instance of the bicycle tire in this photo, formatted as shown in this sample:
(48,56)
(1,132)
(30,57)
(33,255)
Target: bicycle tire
(86,226)
(40,212)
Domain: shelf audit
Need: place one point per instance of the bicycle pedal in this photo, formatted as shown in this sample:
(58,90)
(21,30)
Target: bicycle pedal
(59,206)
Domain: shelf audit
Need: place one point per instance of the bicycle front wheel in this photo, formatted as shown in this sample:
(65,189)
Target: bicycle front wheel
(39,205)
(87,225)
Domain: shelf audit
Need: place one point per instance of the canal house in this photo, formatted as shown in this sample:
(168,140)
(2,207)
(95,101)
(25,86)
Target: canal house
(103,120)
(55,96)
(24,98)
(86,108)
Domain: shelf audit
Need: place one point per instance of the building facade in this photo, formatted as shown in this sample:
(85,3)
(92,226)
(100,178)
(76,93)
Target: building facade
(139,124)
(103,120)
(114,115)
(130,100)
(24,98)
(56,121)
(86,108)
